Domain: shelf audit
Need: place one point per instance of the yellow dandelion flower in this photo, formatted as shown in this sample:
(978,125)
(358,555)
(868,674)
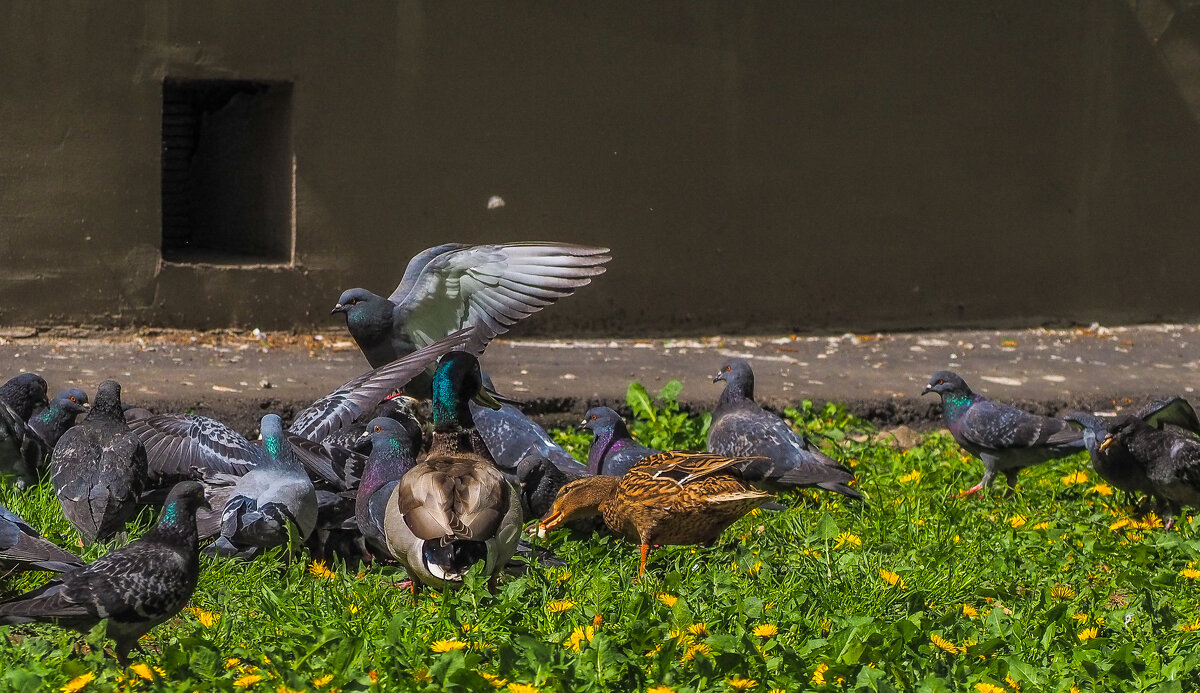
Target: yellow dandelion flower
(1017,521)
(914,475)
(441,646)
(818,676)
(232,662)
(740,684)
(660,689)
(1012,683)
(319,569)
(847,539)
(984,687)
(697,649)
(1102,489)
(496,681)
(892,579)
(1150,521)
(322,681)
(562,576)
(1062,592)
(1042,525)
(78,682)
(753,570)
(698,629)
(522,688)
(655,651)
(1190,573)
(575,642)
(1088,633)
(206,618)
(142,671)
(668,599)
(1190,627)
(1121,523)
(1079,477)
(944,644)
(766,630)
(969,611)
(247,681)
(285,689)
(1134,536)
(560,605)
(353,608)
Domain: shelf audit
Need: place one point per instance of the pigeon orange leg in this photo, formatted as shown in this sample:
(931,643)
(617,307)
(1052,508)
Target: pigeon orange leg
(973,490)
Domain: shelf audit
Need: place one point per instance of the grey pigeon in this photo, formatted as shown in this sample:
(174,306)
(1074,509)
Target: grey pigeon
(511,436)
(272,504)
(99,468)
(135,587)
(22,548)
(394,447)
(1113,463)
(1005,438)
(613,450)
(1170,458)
(451,286)
(351,446)
(539,481)
(21,452)
(50,422)
(742,428)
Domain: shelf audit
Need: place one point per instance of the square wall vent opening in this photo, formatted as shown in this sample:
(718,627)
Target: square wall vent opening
(227,180)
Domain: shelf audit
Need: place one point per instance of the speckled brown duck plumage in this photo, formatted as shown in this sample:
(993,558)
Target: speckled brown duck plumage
(666,498)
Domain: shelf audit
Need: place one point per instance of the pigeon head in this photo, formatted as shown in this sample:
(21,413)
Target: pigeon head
(71,402)
(108,401)
(947,383)
(456,382)
(24,393)
(179,510)
(394,438)
(363,308)
(1095,429)
(1124,427)
(274,442)
(600,420)
(580,499)
(738,378)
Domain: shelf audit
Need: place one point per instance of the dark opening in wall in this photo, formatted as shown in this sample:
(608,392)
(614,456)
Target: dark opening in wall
(227,172)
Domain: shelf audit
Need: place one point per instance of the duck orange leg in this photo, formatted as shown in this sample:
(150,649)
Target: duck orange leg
(645,552)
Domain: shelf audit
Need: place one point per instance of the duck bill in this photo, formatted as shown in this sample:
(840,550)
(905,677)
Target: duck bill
(1107,441)
(485,398)
(553,521)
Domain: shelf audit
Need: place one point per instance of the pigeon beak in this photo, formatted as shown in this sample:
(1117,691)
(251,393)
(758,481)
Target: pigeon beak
(927,390)
(339,308)
(362,439)
(486,399)
(1107,441)
(718,377)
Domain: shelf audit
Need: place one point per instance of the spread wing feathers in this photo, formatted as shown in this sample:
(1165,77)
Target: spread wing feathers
(489,287)
(1172,410)
(316,459)
(453,499)
(176,443)
(687,467)
(350,401)
(21,544)
(995,426)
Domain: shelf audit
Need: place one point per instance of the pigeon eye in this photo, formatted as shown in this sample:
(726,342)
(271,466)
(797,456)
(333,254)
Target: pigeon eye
(940,382)
(72,398)
(379,429)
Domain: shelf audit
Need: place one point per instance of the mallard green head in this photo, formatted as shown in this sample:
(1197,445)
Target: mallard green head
(457,382)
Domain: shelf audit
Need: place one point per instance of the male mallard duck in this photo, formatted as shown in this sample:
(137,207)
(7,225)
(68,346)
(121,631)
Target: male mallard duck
(454,508)
(666,498)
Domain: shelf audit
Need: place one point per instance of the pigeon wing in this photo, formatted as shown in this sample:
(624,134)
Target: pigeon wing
(488,287)
(994,426)
(1172,410)
(177,443)
(341,407)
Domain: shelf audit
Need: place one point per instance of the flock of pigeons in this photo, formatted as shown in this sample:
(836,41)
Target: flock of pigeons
(361,476)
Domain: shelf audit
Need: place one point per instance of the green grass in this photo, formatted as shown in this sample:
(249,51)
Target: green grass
(810,579)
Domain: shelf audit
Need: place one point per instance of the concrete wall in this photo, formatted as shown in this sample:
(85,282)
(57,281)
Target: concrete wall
(753,165)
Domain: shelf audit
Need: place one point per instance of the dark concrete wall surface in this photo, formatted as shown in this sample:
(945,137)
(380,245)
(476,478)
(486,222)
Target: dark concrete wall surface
(754,166)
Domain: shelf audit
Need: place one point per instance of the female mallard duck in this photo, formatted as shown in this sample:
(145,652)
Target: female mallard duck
(454,508)
(666,498)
